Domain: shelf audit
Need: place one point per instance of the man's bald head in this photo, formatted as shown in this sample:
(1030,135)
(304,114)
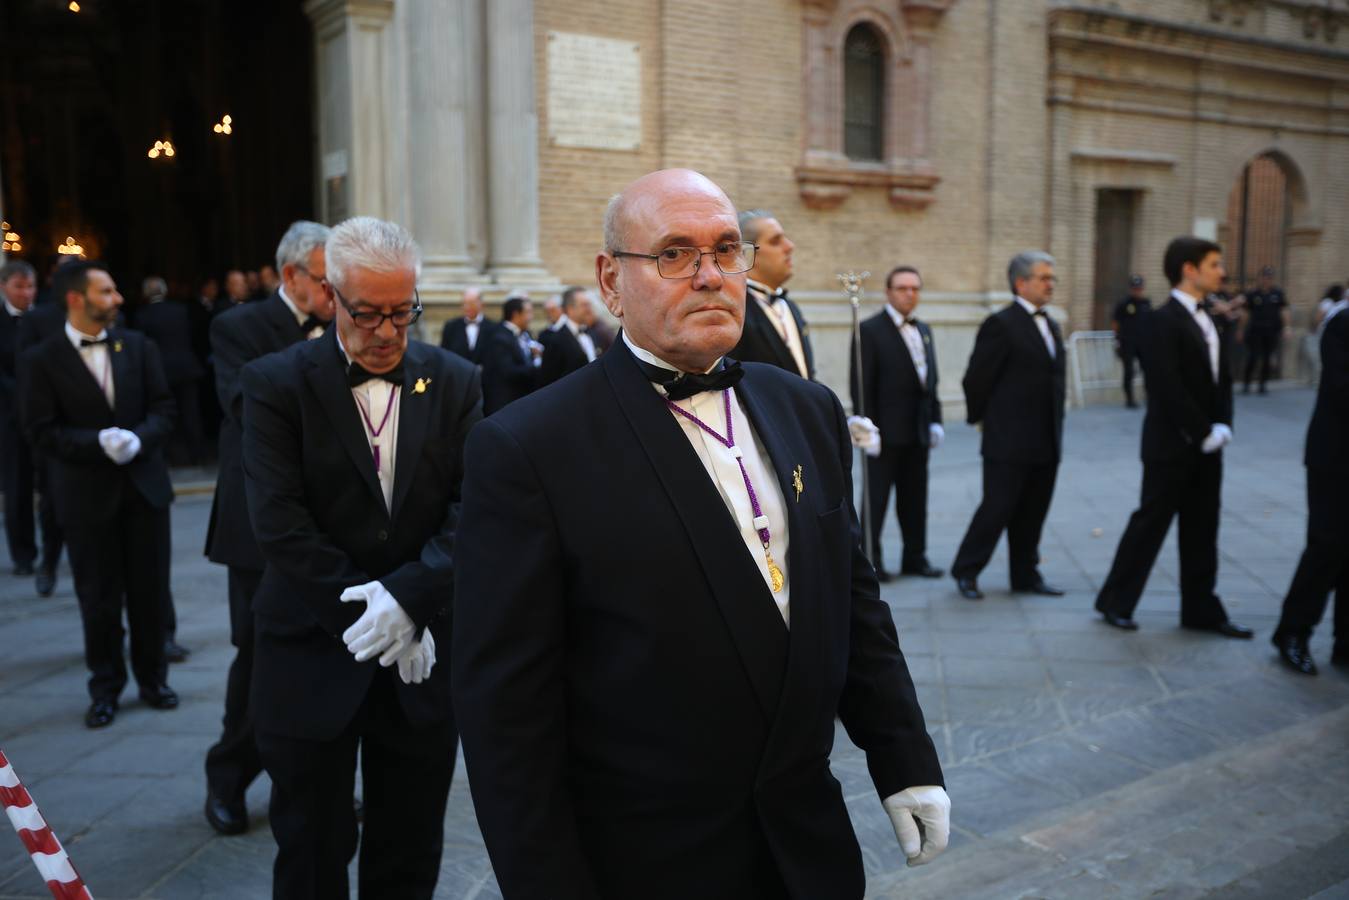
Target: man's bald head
(635,200)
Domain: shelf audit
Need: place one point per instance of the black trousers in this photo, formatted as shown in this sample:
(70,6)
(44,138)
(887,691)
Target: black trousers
(115,563)
(1260,346)
(1128,355)
(1324,566)
(53,535)
(1190,490)
(233,763)
(16,480)
(405,774)
(1016,500)
(904,469)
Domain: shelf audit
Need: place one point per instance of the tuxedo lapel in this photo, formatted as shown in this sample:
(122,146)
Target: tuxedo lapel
(900,349)
(1189,326)
(414,415)
(746,605)
(757,315)
(328,381)
(1031,331)
(121,365)
(930,355)
(70,361)
(282,322)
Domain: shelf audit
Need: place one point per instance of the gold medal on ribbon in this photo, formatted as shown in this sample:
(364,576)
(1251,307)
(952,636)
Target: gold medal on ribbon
(774,573)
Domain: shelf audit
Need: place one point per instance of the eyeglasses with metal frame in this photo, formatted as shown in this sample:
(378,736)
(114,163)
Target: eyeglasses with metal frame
(730,258)
(370,320)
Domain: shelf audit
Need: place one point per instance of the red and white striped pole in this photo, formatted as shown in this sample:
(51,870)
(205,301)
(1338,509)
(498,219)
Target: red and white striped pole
(48,854)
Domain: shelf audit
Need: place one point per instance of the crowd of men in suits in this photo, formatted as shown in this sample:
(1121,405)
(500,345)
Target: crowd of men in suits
(369,523)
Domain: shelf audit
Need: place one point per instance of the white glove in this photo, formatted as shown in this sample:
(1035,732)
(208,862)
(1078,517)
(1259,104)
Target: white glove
(922,840)
(120,445)
(1218,437)
(936,434)
(865,435)
(416,659)
(384,628)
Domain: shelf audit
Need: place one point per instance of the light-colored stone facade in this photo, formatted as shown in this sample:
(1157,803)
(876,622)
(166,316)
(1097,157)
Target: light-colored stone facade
(1004,119)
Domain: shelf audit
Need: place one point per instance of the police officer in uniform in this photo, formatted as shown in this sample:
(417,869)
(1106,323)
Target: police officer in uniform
(1128,327)
(1267,318)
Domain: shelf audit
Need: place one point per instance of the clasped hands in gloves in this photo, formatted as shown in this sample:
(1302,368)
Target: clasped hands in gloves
(119,444)
(1218,437)
(921,817)
(386,631)
(867,437)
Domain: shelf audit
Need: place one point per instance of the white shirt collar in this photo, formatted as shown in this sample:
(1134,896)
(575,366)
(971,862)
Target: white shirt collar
(895,316)
(512,326)
(75,335)
(648,357)
(1190,303)
(566,322)
(1335,309)
(13,310)
(770,293)
(1027,305)
(476,321)
(300,318)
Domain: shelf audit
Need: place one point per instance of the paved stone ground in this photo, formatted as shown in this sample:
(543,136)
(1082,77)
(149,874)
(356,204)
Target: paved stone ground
(1081,762)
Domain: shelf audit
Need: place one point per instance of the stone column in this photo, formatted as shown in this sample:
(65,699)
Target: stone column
(512,146)
(352,44)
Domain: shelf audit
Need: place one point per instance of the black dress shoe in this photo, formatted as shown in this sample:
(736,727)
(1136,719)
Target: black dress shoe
(1122,622)
(883,576)
(100,714)
(45,581)
(226,818)
(1039,587)
(923,569)
(1295,654)
(21,569)
(160,696)
(175,652)
(969,588)
(1226,628)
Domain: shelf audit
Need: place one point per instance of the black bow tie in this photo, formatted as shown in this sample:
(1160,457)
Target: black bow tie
(908,320)
(92,342)
(682,385)
(1206,304)
(357,375)
(310,324)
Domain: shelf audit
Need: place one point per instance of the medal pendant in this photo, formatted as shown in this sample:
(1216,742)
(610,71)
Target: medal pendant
(774,573)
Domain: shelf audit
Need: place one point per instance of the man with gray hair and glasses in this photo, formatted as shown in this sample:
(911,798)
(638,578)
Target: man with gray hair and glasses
(1014,392)
(353,458)
(775,331)
(299,309)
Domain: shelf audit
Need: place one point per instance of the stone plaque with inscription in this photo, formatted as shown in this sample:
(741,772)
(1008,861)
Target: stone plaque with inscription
(594,92)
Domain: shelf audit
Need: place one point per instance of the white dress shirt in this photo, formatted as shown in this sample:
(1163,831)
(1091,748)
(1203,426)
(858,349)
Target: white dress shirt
(913,339)
(724,471)
(1042,323)
(13,310)
(374,397)
(300,318)
(96,360)
(471,329)
(1335,308)
(772,303)
(524,342)
(586,341)
(1205,324)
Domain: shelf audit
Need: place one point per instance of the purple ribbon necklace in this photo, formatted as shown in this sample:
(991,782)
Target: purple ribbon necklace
(760,520)
(370,428)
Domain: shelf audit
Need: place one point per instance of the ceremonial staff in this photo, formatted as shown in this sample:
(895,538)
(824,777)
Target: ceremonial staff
(852,287)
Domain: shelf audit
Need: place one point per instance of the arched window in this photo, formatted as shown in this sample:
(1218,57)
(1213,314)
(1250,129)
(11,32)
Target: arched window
(864,94)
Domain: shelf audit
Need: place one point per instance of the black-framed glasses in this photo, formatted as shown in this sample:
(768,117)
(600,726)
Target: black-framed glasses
(369,320)
(731,258)
(312,276)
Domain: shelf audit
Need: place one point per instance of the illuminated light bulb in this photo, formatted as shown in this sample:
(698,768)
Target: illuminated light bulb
(11,236)
(73,7)
(227,120)
(4,245)
(168,149)
(154,152)
(4,226)
(228,130)
(16,248)
(217,128)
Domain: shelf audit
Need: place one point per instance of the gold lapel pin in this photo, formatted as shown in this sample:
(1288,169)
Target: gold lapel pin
(116,346)
(420,386)
(798,483)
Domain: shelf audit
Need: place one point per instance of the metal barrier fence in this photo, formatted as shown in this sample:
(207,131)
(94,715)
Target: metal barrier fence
(1092,365)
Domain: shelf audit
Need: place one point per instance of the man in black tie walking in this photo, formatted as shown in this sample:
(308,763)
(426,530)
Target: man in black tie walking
(569,346)
(511,363)
(467,335)
(899,377)
(1187,424)
(775,331)
(298,310)
(1014,391)
(97,403)
(353,460)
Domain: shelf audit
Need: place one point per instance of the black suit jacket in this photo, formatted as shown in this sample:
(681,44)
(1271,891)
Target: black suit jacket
(454,338)
(240,335)
(64,410)
(321,523)
(508,371)
(9,374)
(902,407)
(1015,389)
(1328,433)
(1184,402)
(168,324)
(760,341)
(562,355)
(637,719)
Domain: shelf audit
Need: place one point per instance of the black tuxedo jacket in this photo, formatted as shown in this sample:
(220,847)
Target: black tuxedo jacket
(760,341)
(562,355)
(240,335)
(9,374)
(64,410)
(321,523)
(38,324)
(167,323)
(902,407)
(1184,402)
(1328,434)
(508,371)
(637,719)
(1015,389)
(454,338)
